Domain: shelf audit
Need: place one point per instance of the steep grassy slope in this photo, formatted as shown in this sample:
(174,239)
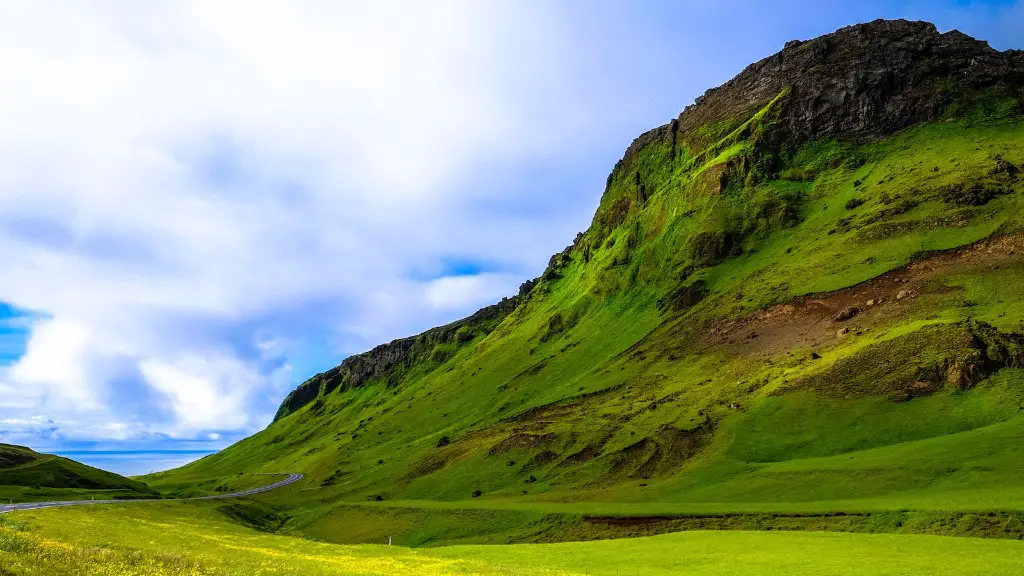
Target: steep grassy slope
(802,295)
(28,476)
(172,539)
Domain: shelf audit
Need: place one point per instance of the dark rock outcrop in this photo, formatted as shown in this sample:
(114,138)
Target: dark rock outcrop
(1004,167)
(845,314)
(685,296)
(953,356)
(389,361)
(861,82)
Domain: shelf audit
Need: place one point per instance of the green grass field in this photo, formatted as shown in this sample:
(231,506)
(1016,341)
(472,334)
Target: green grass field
(196,539)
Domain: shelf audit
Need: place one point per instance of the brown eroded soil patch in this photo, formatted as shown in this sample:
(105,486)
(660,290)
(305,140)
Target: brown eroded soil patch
(810,322)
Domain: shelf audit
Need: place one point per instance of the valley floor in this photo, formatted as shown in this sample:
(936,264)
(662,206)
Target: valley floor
(197,539)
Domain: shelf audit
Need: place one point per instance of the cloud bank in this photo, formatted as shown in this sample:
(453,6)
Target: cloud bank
(183,184)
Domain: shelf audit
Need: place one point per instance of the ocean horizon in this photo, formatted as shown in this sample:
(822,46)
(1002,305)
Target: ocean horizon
(134,462)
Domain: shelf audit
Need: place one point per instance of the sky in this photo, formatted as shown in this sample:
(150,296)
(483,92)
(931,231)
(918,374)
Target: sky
(203,203)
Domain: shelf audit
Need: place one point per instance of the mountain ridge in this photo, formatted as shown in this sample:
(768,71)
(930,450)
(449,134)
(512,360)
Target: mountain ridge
(872,104)
(358,368)
(752,322)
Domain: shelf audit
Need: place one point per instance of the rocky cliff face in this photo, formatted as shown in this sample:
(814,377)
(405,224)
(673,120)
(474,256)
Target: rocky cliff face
(861,82)
(390,361)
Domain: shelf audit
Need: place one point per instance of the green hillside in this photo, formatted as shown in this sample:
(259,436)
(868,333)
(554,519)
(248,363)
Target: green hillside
(28,476)
(803,298)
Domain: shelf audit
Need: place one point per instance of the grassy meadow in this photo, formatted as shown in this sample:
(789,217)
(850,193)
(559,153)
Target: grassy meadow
(195,539)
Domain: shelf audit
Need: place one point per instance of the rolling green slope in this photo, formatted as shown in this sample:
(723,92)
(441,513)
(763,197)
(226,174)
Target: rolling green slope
(805,295)
(28,476)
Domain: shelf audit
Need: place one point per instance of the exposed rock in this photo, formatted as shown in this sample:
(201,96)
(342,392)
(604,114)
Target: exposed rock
(845,314)
(842,332)
(390,360)
(526,287)
(520,441)
(685,297)
(1004,167)
(868,80)
(972,194)
(902,294)
(965,374)
(562,259)
(860,82)
(711,247)
(919,363)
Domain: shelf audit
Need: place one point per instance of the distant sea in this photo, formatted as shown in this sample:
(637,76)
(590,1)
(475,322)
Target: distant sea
(134,462)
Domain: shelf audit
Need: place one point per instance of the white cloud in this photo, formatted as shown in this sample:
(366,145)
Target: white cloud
(190,167)
(56,366)
(203,394)
(457,291)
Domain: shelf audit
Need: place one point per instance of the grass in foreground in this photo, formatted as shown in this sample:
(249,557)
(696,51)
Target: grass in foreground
(196,539)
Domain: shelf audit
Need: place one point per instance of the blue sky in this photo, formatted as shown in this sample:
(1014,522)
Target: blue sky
(204,203)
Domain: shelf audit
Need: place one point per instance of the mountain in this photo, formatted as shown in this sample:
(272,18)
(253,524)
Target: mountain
(805,294)
(26,476)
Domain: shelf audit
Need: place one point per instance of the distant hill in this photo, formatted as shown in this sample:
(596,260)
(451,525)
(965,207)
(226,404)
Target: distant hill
(804,293)
(26,476)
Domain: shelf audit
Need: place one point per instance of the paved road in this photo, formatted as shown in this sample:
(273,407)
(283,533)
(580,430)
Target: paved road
(37,505)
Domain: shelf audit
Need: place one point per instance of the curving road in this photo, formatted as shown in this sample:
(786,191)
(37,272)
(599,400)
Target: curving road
(37,505)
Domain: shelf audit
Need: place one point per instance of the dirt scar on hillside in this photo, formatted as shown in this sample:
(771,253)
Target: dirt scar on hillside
(809,322)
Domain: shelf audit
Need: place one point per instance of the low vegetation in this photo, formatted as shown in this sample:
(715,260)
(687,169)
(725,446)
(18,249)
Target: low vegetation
(197,539)
(28,476)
